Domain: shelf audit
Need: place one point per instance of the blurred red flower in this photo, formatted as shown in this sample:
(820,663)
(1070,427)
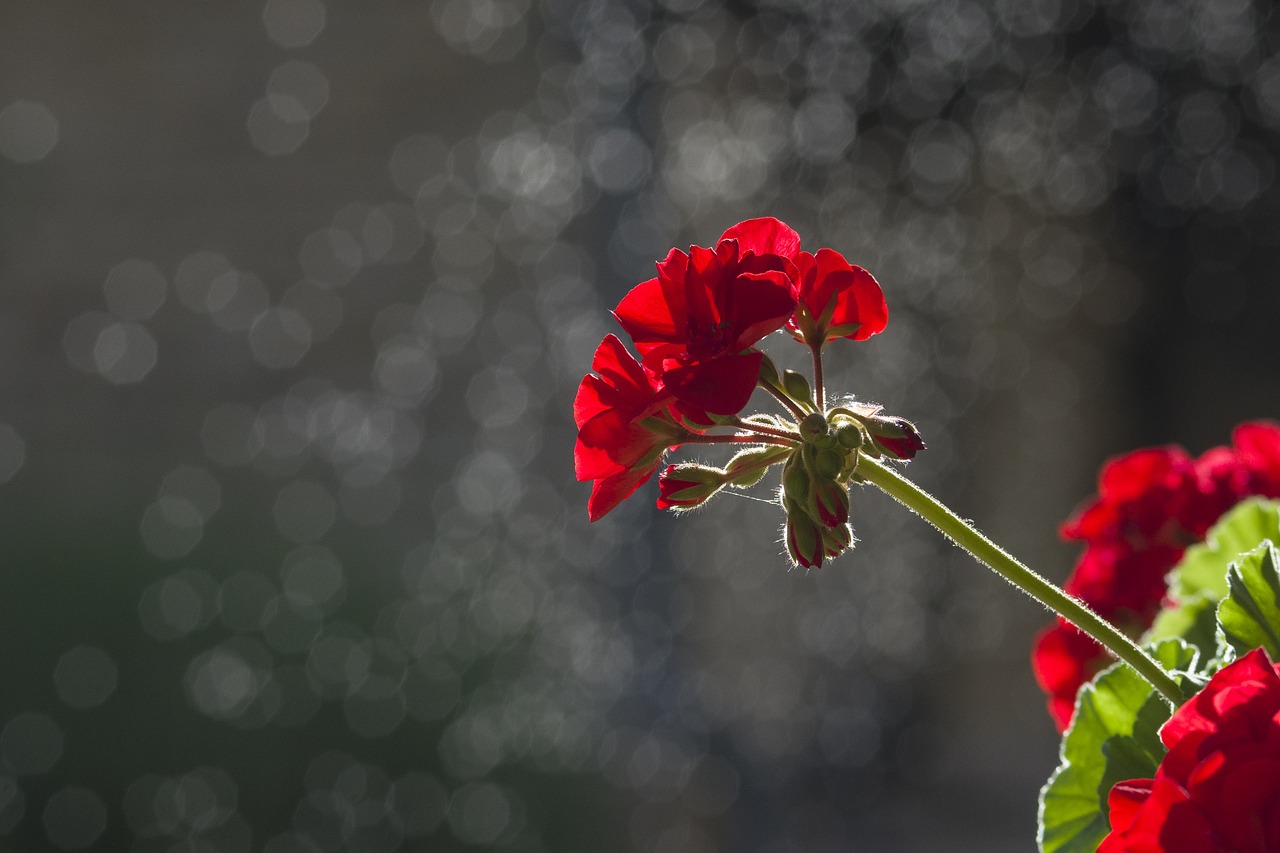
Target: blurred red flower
(1151,505)
(1218,788)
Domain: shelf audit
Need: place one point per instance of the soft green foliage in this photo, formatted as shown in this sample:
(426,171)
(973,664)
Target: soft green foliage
(1199,581)
(1203,569)
(1113,737)
(1249,617)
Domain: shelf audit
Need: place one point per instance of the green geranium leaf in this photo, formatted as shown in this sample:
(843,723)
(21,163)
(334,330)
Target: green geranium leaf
(1114,736)
(1249,616)
(1203,569)
(1199,581)
(1193,620)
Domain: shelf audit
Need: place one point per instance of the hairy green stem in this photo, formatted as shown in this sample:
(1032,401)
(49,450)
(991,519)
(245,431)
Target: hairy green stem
(740,438)
(786,401)
(761,429)
(998,560)
(819,392)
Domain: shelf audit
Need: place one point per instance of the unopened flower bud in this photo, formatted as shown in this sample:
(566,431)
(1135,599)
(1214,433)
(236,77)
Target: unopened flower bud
(813,426)
(849,436)
(795,481)
(828,463)
(769,372)
(804,539)
(895,436)
(797,388)
(748,467)
(831,500)
(836,540)
(688,485)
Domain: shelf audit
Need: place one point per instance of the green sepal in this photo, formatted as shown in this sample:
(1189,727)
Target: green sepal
(843,331)
(749,466)
(1249,617)
(1114,736)
(662,426)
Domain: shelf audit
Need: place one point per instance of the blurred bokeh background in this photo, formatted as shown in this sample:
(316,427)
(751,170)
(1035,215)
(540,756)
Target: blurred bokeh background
(295,298)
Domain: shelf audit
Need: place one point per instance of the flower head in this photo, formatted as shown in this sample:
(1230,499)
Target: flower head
(695,323)
(1218,788)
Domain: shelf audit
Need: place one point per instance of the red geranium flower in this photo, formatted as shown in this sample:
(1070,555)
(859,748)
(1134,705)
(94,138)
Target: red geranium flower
(1218,788)
(694,324)
(1258,445)
(1139,494)
(623,427)
(1151,505)
(835,300)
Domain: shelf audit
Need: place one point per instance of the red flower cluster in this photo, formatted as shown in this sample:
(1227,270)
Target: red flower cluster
(1151,505)
(1218,788)
(695,327)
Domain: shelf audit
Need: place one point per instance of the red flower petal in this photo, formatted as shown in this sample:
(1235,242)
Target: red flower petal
(608,492)
(624,426)
(721,386)
(1234,685)
(838,300)
(1259,447)
(1062,659)
(765,236)
(609,442)
(651,314)
(1218,788)
(760,303)
(1124,800)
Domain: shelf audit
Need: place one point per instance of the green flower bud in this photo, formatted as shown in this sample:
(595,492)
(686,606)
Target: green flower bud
(813,426)
(828,463)
(769,373)
(805,543)
(749,466)
(849,436)
(797,388)
(795,481)
(831,500)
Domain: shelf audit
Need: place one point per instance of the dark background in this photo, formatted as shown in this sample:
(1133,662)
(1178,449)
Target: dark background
(295,299)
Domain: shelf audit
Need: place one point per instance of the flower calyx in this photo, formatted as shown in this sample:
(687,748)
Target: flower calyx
(687,485)
(881,435)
